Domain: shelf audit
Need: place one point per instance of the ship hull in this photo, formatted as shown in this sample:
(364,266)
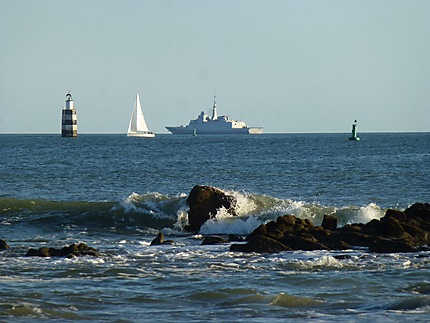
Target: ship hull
(239,131)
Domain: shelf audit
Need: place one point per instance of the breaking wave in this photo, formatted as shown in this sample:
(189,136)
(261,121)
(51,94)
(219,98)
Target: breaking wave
(158,211)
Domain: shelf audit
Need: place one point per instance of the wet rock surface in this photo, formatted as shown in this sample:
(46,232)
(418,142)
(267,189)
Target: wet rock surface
(3,245)
(159,240)
(204,203)
(74,250)
(397,231)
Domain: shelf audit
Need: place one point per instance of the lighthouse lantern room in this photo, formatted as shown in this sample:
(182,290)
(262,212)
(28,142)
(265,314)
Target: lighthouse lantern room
(69,120)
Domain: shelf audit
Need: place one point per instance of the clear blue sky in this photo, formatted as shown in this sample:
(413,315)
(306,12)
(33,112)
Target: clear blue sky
(289,66)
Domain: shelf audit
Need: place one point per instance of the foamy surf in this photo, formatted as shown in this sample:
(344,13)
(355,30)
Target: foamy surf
(159,211)
(255,209)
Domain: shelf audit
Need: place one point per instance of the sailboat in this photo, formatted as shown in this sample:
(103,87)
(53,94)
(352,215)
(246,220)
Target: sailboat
(137,126)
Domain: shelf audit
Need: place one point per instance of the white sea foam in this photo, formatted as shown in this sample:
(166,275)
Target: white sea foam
(129,203)
(328,261)
(245,204)
(251,210)
(224,223)
(370,212)
(182,219)
(155,204)
(355,214)
(269,208)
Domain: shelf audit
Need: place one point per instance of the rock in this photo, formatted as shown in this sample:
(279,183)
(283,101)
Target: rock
(390,246)
(261,230)
(342,257)
(74,250)
(397,231)
(419,210)
(352,235)
(204,203)
(235,238)
(303,243)
(260,244)
(393,228)
(3,245)
(329,222)
(159,240)
(213,240)
(41,252)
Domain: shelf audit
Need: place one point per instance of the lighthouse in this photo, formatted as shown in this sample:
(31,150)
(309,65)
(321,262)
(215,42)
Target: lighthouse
(69,120)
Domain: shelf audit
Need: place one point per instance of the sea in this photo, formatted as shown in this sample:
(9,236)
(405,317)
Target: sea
(116,193)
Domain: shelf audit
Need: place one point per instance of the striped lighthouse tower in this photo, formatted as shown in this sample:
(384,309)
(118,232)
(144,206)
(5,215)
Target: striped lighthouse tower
(69,120)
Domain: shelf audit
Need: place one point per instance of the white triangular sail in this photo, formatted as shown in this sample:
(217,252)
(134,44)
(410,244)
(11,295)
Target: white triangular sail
(137,126)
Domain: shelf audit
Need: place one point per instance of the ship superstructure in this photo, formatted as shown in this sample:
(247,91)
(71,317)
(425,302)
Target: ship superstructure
(205,124)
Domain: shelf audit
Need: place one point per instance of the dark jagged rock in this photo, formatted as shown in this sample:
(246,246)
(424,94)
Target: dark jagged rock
(260,244)
(3,245)
(159,240)
(204,202)
(307,242)
(213,240)
(390,246)
(41,252)
(74,250)
(397,231)
(329,222)
(235,238)
(342,257)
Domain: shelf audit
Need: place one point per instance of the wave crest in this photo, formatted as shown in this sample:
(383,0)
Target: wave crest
(158,211)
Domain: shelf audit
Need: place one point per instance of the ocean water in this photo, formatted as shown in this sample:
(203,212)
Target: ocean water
(116,193)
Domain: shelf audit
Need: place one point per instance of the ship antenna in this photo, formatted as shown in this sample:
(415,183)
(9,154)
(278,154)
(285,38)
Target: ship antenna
(214,98)
(214,113)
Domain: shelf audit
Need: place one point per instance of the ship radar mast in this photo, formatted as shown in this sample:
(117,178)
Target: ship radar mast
(214,113)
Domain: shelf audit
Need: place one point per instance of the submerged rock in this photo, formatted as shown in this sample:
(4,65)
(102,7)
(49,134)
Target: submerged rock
(261,244)
(397,231)
(235,238)
(213,240)
(74,250)
(159,239)
(204,203)
(3,245)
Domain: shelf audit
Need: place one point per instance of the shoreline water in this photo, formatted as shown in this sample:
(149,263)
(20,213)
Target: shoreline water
(116,194)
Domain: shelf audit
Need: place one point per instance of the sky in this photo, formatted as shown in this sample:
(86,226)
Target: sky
(289,66)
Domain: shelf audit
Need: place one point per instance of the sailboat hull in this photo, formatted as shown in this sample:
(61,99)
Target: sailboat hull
(141,134)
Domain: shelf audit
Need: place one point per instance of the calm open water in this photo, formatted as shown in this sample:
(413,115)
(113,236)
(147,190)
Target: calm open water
(115,193)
